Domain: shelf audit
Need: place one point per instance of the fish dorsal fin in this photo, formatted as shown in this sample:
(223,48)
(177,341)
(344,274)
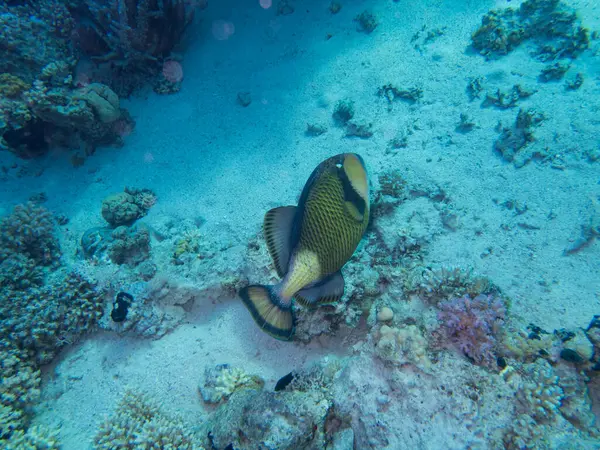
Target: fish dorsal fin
(330,290)
(277,226)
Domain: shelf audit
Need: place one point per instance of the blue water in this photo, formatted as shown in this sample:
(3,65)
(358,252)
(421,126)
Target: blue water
(142,148)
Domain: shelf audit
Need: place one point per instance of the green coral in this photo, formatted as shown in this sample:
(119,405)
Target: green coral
(129,245)
(188,243)
(124,208)
(11,85)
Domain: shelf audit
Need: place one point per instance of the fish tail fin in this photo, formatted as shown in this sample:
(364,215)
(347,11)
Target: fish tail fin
(270,312)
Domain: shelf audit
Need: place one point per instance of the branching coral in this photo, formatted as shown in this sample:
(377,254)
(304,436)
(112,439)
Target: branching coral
(36,320)
(35,438)
(139,424)
(539,397)
(220,382)
(541,394)
(473,324)
(30,231)
(41,321)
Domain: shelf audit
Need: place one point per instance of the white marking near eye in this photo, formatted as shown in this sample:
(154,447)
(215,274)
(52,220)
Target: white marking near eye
(338,165)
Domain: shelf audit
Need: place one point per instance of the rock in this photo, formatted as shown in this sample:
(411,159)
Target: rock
(578,345)
(270,420)
(385,314)
(343,440)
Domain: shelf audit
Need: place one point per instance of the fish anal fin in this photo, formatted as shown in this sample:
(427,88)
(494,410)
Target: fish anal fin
(329,290)
(277,228)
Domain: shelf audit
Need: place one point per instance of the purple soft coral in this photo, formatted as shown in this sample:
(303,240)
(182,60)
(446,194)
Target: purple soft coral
(472,325)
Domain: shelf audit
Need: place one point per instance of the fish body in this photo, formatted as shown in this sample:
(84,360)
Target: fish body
(311,242)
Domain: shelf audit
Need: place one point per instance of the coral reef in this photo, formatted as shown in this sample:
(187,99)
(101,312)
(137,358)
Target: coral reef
(366,22)
(11,85)
(551,24)
(126,207)
(127,41)
(405,345)
(343,112)
(507,99)
(43,320)
(52,112)
(95,242)
(270,420)
(188,243)
(422,38)
(392,192)
(244,99)
(334,7)
(28,244)
(545,403)
(514,143)
(35,438)
(541,395)
(129,245)
(466,124)
(30,232)
(359,130)
(315,129)
(473,324)
(435,284)
(391,93)
(40,313)
(553,72)
(64,64)
(575,83)
(138,423)
(27,45)
(220,382)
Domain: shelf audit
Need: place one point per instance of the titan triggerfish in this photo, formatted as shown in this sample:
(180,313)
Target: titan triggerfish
(311,242)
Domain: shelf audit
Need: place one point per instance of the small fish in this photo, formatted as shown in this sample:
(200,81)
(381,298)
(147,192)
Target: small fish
(284,381)
(121,306)
(311,242)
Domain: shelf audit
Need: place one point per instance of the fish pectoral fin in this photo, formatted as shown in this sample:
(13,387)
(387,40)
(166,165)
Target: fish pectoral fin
(277,227)
(330,290)
(354,212)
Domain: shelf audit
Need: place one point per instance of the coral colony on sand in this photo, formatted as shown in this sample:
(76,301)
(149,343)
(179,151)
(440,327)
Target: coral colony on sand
(405,350)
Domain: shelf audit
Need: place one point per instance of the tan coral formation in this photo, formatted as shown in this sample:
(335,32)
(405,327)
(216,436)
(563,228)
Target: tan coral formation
(102,99)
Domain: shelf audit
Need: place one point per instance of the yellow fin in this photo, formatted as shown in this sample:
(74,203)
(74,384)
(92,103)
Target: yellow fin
(330,290)
(270,313)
